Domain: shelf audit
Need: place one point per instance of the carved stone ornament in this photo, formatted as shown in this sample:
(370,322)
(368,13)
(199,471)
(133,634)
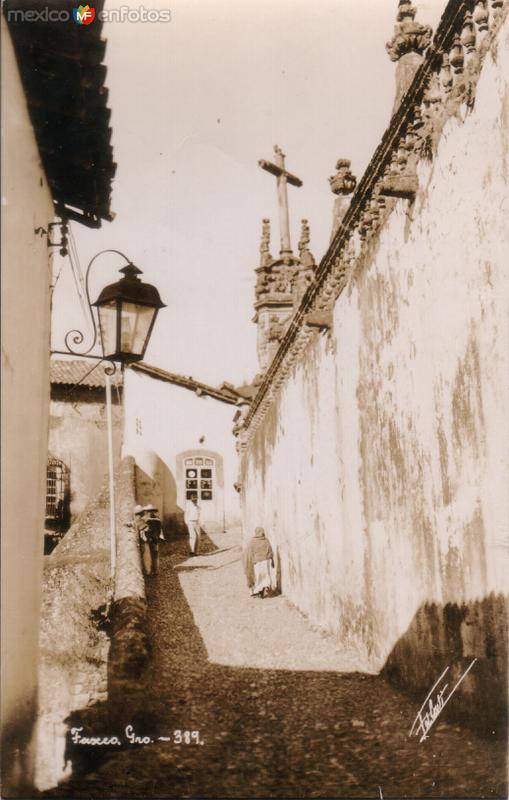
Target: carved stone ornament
(265,256)
(282,280)
(343,182)
(405,186)
(481,15)
(276,329)
(456,56)
(468,33)
(261,282)
(409,36)
(496,6)
(305,255)
(446,74)
(319,319)
(275,279)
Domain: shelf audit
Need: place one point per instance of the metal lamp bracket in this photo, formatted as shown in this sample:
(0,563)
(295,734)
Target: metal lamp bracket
(62,244)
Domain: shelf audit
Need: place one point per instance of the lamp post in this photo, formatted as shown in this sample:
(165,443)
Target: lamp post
(126,312)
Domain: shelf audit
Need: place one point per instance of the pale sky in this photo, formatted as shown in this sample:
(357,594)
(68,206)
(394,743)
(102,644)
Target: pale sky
(196,102)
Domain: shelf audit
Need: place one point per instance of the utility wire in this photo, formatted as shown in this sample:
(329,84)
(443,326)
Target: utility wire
(75,386)
(78,274)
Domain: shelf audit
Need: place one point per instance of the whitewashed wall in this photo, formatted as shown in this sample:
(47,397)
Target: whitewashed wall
(26,275)
(381,470)
(77,436)
(163,420)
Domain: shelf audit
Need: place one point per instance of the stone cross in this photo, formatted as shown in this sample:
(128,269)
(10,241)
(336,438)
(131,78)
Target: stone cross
(283,178)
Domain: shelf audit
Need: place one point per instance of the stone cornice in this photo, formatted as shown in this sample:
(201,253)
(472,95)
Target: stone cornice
(410,135)
(274,299)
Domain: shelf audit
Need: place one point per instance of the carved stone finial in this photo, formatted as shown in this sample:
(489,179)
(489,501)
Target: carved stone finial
(276,329)
(468,33)
(446,74)
(418,121)
(407,46)
(406,9)
(304,235)
(343,182)
(305,255)
(409,36)
(481,15)
(496,7)
(456,56)
(265,256)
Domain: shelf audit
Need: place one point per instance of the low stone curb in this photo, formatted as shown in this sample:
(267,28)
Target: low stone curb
(129,580)
(130,647)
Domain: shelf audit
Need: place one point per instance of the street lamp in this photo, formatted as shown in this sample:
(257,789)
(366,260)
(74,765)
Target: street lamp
(126,312)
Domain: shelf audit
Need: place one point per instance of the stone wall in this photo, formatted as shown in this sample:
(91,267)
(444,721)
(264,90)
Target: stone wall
(92,636)
(375,454)
(74,653)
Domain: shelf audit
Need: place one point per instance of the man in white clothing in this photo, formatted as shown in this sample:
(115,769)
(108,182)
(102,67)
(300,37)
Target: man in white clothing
(192,520)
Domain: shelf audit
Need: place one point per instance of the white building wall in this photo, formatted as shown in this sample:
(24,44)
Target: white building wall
(26,275)
(381,469)
(163,420)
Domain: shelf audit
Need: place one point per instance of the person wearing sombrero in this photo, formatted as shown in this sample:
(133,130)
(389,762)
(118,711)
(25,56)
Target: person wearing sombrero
(150,532)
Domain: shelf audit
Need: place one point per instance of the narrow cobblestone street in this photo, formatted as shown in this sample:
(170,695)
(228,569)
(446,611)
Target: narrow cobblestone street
(279,710)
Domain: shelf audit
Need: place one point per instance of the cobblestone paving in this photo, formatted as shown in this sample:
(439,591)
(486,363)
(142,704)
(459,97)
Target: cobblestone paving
(274,717)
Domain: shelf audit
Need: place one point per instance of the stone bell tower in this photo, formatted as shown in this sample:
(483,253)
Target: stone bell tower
(280,285)
(280,282)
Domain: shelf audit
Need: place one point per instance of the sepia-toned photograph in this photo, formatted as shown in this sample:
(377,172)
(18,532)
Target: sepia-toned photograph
(255,399)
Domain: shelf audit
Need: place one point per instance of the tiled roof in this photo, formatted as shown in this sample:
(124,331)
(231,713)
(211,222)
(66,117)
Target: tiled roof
(61,66)
(70,373)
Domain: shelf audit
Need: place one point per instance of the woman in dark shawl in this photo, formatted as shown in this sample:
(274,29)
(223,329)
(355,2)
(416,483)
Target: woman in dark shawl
(258,559)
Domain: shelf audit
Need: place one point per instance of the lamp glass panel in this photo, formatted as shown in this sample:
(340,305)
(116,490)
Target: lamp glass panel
(108,327)
(134,327)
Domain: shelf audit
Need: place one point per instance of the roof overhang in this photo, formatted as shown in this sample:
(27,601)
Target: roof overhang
(60,64)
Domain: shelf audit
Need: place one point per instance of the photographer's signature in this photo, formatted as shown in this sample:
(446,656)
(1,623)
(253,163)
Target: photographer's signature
(434,704)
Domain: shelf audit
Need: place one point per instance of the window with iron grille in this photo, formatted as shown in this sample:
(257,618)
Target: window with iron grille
(57,484)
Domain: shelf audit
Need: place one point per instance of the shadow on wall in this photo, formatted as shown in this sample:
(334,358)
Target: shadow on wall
(17,751)
(452,636)
(159,487)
